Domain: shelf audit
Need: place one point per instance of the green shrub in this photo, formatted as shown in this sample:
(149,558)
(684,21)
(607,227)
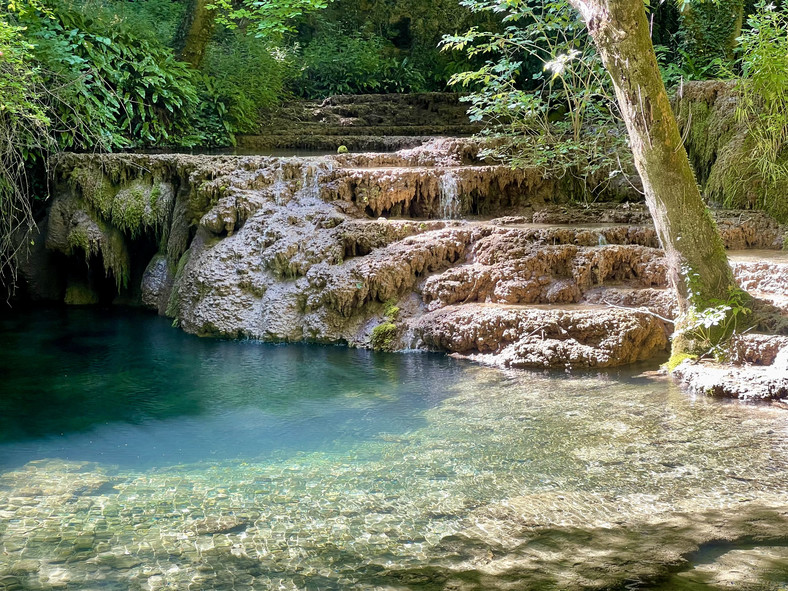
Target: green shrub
(563,118)
(152,20)
(763,106)
(24,129)
(335,62)
(112,88)
(248,76)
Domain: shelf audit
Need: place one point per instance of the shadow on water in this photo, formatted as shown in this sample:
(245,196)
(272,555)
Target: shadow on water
(124,386)
(718,563)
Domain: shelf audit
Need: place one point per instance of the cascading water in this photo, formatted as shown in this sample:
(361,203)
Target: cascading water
(449,196)
(311,174)
(279,187)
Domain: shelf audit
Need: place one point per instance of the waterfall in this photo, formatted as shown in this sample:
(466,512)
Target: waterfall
(449,196)
(310,181)
(279,187)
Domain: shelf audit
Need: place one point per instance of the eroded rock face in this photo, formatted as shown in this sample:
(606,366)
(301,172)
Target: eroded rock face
(586,336)
(157,284)
(292,249)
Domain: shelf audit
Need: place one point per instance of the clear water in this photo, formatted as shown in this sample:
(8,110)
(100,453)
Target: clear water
(133,456)
(126,389)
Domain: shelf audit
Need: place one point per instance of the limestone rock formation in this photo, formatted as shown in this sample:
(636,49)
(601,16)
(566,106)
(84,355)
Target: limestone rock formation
(759,371)
(428,248)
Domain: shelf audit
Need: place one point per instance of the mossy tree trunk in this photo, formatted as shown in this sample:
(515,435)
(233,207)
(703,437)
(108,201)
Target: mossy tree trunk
(711,28)
(698,265)
(195,32)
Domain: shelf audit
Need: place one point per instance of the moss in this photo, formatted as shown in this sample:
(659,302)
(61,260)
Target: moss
(96,189)
(132,205)
(384,336)
(723,151)
(98,238)
(79,294)
(391,310)
(694,118)
(116,257)
(78,239)
(128,212)
(676,359)
(153,198)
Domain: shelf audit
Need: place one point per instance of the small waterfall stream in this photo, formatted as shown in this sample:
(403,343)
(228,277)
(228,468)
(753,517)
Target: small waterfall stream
(450,206)
(310,181)
(279,186)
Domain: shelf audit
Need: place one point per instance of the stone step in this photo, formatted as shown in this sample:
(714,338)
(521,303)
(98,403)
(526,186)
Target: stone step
(330,143)
(349,129)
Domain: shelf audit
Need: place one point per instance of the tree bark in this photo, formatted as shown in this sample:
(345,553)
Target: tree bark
(195,32)
(698,265)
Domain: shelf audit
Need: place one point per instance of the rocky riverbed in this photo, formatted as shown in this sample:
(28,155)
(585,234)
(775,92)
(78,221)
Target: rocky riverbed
(509,480)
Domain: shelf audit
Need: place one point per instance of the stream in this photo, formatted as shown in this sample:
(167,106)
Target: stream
(135,456)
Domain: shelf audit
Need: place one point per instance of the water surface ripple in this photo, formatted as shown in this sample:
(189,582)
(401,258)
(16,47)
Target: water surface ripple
(133,456)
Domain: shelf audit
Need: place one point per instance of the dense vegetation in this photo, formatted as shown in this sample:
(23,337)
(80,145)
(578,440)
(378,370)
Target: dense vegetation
(108,75)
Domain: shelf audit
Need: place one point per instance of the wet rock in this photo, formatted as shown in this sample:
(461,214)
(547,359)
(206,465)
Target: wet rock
(157,282)
(749,229)
(762,276)
(364,122)
(25,567)
(41,269)
(595,213)
(748,566)
(224,524)
(118,561)
(80,294)
(660,301)
(544,337)
(758,371)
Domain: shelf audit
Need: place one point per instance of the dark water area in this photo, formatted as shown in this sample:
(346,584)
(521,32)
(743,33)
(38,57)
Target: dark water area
(124,387)
(134,456)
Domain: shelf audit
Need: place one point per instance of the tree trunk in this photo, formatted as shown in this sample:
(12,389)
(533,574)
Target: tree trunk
(195,32)
(698,265)
(711,29)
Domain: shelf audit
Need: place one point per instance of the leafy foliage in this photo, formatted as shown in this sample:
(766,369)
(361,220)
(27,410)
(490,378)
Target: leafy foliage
(152,20)
(355,63)
(709,29)
(24,129)
(562,119)
(113,90)
(678,66)
(244,77)
(270,18)
(763,103)
(411,29)
(709,325)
